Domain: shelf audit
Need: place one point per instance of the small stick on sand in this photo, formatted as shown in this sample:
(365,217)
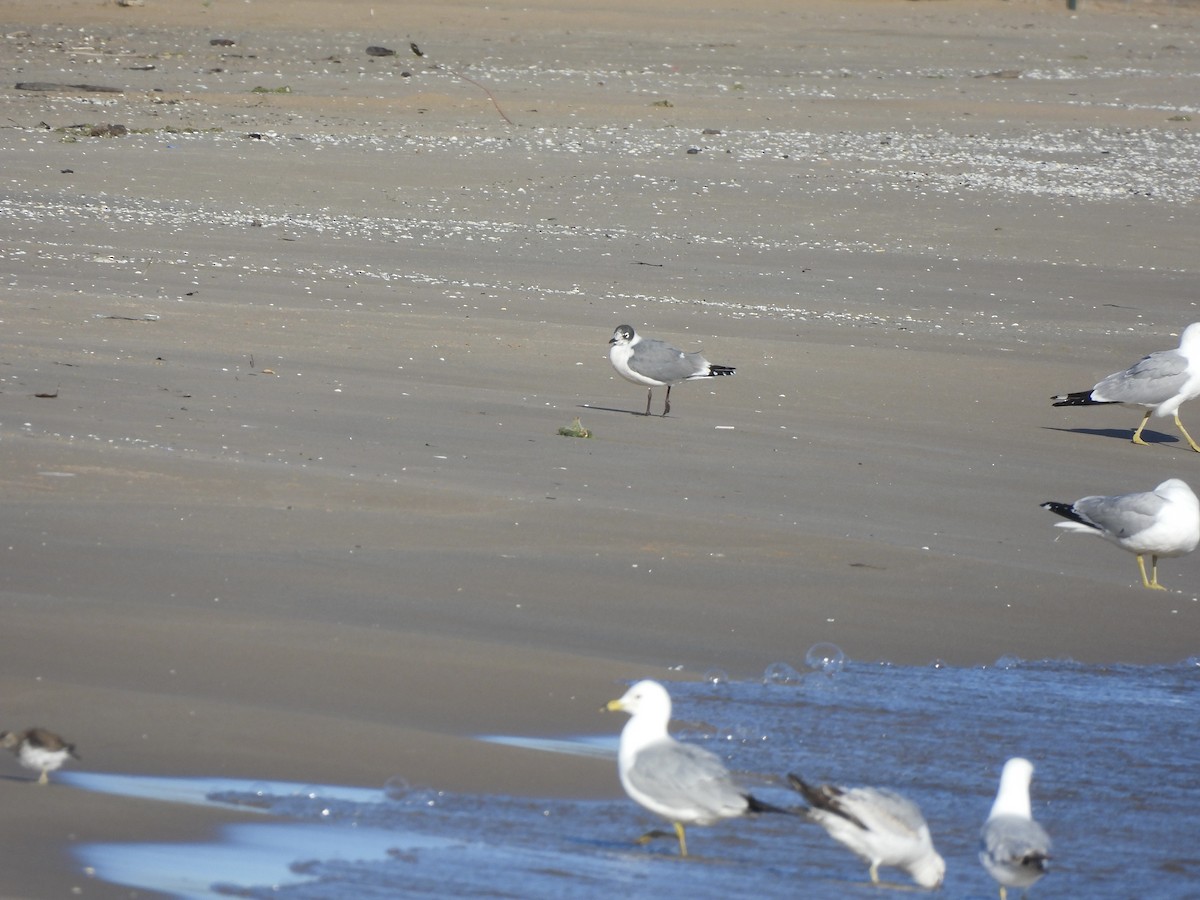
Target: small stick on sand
(419,52)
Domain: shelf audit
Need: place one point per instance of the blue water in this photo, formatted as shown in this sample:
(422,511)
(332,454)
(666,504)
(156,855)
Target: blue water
(1117,786)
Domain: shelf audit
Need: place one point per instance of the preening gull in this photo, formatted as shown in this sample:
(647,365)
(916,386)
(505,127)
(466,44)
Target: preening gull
(38,749)
(1161,522)
(683,783)
(1161,382)
(1012,846)
(879,826)
(655,363)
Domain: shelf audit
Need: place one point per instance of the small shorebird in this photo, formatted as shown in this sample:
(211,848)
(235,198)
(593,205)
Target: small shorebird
(1161,522)
(683,783)
(879,826)
(655,363)
(38,749)
(1012,846)
(1160,382)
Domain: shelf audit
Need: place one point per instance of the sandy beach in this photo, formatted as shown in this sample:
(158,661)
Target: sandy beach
(286,354)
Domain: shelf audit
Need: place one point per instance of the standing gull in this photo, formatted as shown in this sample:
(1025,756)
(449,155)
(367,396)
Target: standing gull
(683,783)
(879,826)
(1161,522)
(1012,847)
(38,749)
(1160,382)
(655,363)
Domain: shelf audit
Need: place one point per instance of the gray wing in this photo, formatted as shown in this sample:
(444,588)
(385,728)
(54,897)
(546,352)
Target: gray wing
(1150,381)
(1015,842)
(882,810)
(662,362)
(1122,516)
(686,777)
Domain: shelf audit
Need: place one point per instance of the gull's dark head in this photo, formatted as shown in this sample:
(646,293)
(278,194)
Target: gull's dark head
(623,335)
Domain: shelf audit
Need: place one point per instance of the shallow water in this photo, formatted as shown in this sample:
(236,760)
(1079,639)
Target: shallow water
(1117,751)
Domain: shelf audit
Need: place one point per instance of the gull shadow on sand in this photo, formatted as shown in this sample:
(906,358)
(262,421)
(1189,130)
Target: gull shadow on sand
(32,779)
(1150,437)
(613,409)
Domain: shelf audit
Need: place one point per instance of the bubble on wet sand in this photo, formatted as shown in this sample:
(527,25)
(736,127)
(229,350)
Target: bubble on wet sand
(781,673)
(716,677)
(826,658)
(397,788)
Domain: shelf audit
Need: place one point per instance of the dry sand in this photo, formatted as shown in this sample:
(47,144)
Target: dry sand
(298,509)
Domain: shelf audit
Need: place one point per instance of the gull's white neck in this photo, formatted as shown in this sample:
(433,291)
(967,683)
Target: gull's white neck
(1012,799)
(640,731)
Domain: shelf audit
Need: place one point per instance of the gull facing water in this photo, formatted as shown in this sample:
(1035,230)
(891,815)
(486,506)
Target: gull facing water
(1161,382)
(683,783)
(1161,522)
(1012,846)
(879,826)
(654,363)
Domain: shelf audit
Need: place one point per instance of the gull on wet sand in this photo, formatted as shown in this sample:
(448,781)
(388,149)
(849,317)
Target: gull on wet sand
(1161,522)
(1160,382)
(683,783)
(1012,846)
(879,826)
(38,749)
(654,363)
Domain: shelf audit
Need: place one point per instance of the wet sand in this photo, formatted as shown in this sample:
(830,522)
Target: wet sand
(295,506)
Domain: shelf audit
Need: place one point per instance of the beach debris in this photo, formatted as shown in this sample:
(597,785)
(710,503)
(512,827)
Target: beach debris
(222,42)
(575,429)
(436,66)
(284,89)
(47,395)
(57,86)
(108,130)
(72,133)
(380,51)
(38,749)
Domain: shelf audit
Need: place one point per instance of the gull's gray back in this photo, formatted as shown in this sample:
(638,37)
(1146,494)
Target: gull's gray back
(879,808)
(1150,381)
(1124,515)
(684,775)
(662,362)
(1007,841)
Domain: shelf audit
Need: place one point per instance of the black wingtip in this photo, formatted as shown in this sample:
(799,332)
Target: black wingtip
(721,370)
(1066,510)
(823,797)
(755,805)
(1036,861)
(1078,398)
(799,785)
